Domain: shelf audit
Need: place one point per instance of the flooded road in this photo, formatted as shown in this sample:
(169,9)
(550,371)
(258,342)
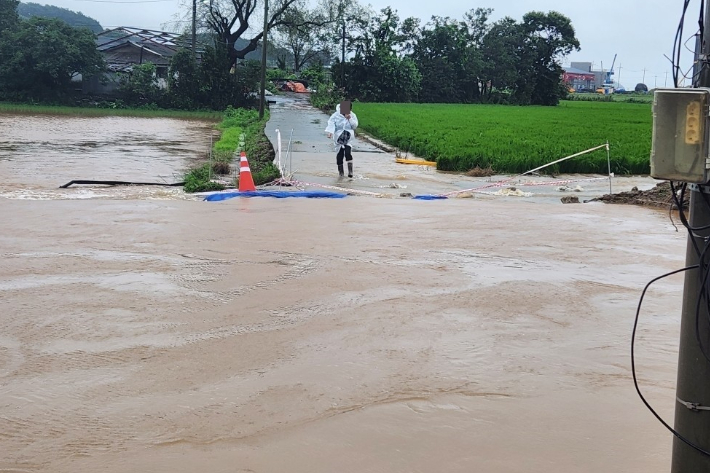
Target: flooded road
(39,153)
(351,335)
(310,156)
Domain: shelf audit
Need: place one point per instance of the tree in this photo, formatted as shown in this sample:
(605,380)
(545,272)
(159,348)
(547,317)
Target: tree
(231,20)
(641,87)
(347,34)
(210,84)
(221,87)
(302,35)
(449,62)
(501,54)
(41,56)
(548,38)
(77,20)
(8,16)
(476,21)
(378,71)
(141,86)
(184,81)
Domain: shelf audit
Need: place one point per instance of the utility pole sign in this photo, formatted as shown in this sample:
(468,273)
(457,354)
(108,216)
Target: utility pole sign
(679,153)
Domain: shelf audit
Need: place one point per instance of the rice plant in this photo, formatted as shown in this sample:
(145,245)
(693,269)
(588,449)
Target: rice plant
(516,139)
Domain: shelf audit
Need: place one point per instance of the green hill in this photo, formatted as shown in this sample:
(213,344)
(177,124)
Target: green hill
(28,10)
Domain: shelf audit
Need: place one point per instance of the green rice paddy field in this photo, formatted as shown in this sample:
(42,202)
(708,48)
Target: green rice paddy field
(514,139)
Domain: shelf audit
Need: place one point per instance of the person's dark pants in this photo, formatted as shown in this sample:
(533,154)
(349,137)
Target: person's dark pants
(345,152)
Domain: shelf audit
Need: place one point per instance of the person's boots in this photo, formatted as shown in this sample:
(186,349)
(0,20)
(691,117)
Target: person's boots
(350,170)
(340,170)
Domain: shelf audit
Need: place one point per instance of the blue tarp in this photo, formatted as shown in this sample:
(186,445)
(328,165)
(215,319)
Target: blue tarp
(276,194)
(429,197)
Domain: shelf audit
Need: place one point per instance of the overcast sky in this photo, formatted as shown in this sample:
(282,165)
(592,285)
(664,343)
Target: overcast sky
(639,32)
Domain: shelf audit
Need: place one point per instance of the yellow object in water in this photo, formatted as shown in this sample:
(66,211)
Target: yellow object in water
(415,161)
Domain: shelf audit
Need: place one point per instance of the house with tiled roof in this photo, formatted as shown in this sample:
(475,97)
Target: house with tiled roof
(125,47)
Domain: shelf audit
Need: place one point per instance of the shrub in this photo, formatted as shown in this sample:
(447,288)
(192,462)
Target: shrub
(266,174)
(326,97)
(237,122)
(198,180)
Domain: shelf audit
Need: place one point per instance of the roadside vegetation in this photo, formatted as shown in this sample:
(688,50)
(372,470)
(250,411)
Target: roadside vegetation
(241,131)
(516,139)
(108,109)
(472,60)
(633,97)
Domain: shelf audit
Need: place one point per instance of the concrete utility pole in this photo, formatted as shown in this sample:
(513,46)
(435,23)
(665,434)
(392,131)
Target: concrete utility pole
(618,76)
(693,384)
(194,29)
(342,61)
(262,98)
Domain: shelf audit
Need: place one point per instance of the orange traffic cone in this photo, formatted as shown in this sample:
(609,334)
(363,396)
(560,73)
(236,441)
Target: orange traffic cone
(246,182)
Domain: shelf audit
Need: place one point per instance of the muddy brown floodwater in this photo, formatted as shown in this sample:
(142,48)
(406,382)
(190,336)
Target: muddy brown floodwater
(351,335)
(40,153)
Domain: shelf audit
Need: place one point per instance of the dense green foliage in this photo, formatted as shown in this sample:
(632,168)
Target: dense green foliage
(40,56)
(451,61)
(326,96)
(208,84)
(229,141)
(237,124)
(141,87)
(75,19)
(8,17)
(516,139)
(199,179)
(259,149)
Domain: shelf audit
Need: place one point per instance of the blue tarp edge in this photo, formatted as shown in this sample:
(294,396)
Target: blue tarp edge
(276,194)
(429,197)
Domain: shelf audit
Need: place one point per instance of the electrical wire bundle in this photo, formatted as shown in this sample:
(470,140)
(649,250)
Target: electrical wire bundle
(678,45)
(703,300)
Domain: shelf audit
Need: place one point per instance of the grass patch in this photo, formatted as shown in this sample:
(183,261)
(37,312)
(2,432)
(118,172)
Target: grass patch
(591,97)
(241,131)
(516,139)
(6,107)
(198,180)
(230,139)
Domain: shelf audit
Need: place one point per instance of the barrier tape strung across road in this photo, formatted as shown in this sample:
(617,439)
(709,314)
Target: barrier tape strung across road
(296,183)
(509,180)
(508,183)
(560,182)
(474,190)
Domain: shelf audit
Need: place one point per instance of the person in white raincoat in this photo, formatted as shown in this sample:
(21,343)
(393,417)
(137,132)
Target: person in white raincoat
(341,128)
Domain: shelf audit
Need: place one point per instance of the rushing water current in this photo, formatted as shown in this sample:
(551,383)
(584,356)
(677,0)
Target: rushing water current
(39,153)
(145,331)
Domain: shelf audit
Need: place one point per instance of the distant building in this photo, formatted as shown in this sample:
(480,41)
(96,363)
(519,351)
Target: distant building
(125,47)
(579,78)
(586,67)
